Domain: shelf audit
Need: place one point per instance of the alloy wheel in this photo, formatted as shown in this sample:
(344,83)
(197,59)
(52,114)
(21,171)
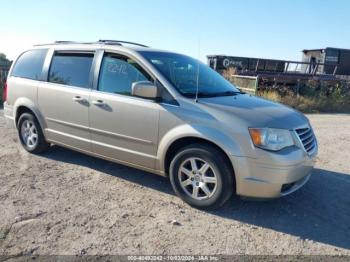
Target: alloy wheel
(197,178)
(29,134)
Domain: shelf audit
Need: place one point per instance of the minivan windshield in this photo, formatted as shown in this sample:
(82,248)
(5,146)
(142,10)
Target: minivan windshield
(184,72)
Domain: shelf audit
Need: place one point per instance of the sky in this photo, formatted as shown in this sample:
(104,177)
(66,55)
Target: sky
(277,29)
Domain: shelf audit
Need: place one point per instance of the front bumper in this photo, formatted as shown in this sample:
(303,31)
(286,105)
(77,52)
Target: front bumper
(273,175)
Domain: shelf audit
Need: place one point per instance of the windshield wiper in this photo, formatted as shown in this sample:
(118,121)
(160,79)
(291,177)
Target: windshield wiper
(207,94)
(200,94)
(226,93)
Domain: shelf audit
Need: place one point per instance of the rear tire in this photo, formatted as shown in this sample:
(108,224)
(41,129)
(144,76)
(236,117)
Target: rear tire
(31,135)
(201,176)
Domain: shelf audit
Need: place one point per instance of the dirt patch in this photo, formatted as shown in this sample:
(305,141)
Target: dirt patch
(63,202)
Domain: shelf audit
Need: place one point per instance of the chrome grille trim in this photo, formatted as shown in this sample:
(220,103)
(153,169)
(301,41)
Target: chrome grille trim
(306,142)
(307,139)
(311,147)
(302,131)
(309,135)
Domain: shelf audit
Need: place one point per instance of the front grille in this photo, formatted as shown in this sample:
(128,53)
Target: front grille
(307,138)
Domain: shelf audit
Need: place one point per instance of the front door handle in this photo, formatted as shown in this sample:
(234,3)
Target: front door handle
(98,103)
(78,99)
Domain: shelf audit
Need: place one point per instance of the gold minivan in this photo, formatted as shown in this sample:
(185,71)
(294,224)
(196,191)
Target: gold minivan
(162,112)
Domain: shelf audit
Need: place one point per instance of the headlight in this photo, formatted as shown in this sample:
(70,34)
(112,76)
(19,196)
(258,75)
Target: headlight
(271,138)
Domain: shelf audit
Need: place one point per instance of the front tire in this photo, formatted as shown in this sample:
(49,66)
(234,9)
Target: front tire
(31,135)
(201,176)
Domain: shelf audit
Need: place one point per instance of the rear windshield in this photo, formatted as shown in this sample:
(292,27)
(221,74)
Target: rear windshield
(30,64)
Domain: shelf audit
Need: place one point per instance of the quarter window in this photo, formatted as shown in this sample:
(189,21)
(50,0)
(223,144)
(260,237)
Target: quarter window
(30,64)
(71,69)
(118,73)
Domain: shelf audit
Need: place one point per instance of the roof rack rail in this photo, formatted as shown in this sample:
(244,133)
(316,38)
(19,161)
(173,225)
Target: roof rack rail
(117,42)
(71,42)
(104,42)
(64,42)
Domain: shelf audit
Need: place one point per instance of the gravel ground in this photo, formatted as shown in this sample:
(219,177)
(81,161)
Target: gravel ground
(63,202)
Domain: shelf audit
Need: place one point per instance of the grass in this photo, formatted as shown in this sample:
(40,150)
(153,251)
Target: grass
(319,103)
(308,96)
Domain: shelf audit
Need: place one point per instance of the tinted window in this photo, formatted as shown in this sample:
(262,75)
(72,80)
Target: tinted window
(71,69)
(118,73)
(30,64)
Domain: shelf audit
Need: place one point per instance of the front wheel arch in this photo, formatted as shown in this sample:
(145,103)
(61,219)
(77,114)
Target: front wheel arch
(181,143)
(219,169)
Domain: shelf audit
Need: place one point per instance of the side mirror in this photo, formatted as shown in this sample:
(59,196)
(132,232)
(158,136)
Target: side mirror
(145,89)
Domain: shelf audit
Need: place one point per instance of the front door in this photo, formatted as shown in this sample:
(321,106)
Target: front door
(123,127)
(64,99)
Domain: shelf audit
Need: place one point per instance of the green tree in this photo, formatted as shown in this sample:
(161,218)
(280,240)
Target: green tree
(6,62)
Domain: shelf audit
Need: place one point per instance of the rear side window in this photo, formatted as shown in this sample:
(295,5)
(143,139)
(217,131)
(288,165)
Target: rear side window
(71,69)
(30,64)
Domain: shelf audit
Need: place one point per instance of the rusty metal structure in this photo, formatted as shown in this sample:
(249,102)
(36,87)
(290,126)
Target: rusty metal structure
(271,67)
(326,62)
(323,65)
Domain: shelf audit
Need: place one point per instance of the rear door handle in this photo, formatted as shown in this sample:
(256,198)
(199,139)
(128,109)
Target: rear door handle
(98,103)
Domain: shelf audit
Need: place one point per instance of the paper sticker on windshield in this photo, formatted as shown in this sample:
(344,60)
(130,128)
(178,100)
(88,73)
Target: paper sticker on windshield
(117,68)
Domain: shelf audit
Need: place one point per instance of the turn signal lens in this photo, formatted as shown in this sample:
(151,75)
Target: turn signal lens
(256,136)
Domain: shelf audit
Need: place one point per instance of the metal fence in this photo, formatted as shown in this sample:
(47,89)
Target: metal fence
(247,84)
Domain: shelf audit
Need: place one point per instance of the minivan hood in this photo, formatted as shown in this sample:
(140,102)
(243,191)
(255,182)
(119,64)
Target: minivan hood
(256,112)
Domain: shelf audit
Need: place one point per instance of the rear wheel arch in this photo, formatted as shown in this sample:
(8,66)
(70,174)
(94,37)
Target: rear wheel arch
(30,132)
(21,110)
(29,108)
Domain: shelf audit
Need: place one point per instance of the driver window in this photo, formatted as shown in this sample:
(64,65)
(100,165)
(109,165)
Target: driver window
(118,73)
